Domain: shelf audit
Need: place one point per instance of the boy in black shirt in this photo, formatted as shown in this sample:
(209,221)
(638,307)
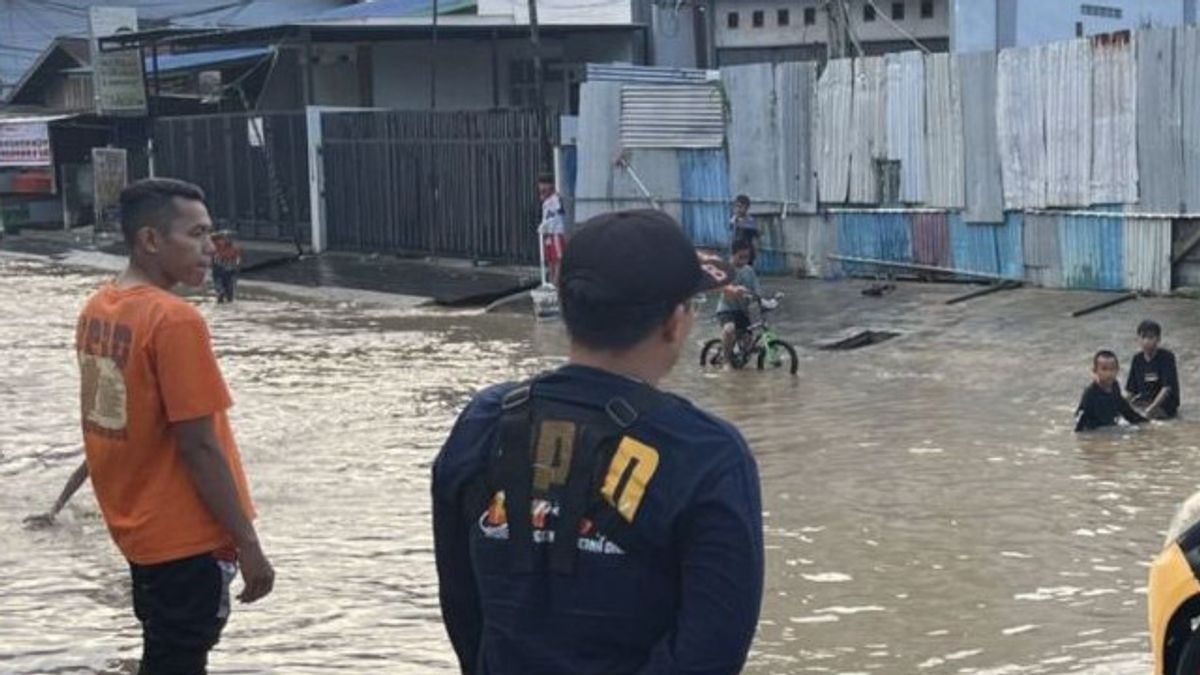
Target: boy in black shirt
(1153,383)
(1102,401)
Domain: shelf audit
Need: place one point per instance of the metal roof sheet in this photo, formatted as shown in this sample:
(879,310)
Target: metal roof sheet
(672,117)
(623,72)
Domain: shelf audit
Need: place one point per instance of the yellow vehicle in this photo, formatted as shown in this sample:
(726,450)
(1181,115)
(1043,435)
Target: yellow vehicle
(1174,604)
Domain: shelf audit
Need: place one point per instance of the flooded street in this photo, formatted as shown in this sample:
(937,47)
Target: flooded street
(928,508)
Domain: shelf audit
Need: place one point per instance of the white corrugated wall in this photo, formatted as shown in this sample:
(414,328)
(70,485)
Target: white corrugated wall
(835,118)
(1020,113)
(944,133)
(1114,123)
(1068,68)
(599,140)
(866,136)
(906,122)
(795,106)
(753,137)
(1148,255)
(1187,72)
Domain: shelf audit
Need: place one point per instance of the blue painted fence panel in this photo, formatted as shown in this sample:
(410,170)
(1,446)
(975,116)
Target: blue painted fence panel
(880,236)
(1093,253)
(974,246)
(704,184)
(1010,246)
(989,248)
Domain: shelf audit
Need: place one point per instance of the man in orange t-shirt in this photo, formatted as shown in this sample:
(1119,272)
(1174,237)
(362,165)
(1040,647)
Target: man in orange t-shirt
(160,450)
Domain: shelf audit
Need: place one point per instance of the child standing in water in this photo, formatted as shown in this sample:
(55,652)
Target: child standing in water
(1102,402)
(1153,383)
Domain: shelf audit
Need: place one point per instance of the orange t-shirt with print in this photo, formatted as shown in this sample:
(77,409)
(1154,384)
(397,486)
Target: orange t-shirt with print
(146,362)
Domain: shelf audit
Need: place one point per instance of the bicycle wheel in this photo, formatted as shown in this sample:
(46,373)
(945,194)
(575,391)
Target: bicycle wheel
(785,357)
(713,354)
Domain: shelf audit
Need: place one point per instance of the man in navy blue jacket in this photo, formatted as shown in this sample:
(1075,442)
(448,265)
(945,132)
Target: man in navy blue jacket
(587,522)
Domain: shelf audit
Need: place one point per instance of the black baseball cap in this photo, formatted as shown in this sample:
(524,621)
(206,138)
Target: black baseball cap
(636,259)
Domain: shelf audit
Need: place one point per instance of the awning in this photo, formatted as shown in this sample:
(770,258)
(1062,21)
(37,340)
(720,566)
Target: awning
(25,140)
(187,61)
(395,8)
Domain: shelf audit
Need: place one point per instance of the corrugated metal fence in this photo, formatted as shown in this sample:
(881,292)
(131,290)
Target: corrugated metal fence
(252,167)
(457,184)
(1102,250)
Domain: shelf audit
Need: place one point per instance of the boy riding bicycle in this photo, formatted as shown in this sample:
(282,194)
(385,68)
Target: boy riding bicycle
(733,311)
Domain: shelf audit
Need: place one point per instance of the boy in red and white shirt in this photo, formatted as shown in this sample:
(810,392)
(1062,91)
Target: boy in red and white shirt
(551,229)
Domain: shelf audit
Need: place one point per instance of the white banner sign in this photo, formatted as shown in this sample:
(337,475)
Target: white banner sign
(25,144)
(117,75)
(109,176)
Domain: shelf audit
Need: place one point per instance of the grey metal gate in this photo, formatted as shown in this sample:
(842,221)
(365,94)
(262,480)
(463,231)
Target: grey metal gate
(457,184)
(253,167)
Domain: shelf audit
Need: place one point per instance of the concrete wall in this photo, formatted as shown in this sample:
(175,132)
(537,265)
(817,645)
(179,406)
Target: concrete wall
(674,36)
(335,76)
(1039,22)
(1022,23)
(771,34)
(973,25)
(465,80)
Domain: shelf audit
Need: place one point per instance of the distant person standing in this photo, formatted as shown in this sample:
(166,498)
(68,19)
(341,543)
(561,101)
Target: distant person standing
(742,226)
(227,262)
(160,450)
(552,228)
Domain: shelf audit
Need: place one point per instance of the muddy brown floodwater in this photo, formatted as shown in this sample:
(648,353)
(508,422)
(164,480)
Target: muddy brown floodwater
(928,508)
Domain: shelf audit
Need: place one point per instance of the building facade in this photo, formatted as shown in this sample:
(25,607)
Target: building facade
(753,31)
(985,25)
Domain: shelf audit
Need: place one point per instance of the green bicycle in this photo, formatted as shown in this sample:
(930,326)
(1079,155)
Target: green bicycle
(757,343)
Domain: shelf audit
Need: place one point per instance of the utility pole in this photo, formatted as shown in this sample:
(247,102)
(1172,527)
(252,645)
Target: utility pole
(433,58)
(838,29)
(538,88)
(833,31)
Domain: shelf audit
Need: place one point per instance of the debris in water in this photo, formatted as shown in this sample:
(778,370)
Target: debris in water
(864,338)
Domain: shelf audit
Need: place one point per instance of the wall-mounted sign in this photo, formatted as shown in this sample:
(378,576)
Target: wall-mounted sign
(25,144)
(117,75)
(109,171)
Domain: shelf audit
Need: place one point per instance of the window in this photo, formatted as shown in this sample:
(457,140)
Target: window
(810,16)
(783,17)
(1101,11)
(926,9)
(898,11)
(1078,29)
(868,13)
(757,18)
(732,20)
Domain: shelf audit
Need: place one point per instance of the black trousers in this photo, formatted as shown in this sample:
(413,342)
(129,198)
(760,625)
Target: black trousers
(183,606)
(225,281)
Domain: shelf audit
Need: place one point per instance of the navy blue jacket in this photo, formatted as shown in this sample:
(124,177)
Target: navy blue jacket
(687,604)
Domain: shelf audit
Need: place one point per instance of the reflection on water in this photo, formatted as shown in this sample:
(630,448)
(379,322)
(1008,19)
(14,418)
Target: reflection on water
(928,509)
